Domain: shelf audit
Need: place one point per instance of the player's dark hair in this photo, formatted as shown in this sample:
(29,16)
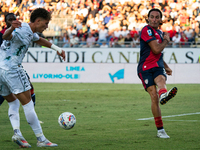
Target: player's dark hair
(9,14)
(40,13)
(154,9)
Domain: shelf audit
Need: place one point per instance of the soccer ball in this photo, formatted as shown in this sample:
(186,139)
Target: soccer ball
(67,120)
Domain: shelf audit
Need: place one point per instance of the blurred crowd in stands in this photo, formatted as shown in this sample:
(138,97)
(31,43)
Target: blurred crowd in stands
(112,23)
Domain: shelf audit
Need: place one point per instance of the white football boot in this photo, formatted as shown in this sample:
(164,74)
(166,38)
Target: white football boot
(162,134)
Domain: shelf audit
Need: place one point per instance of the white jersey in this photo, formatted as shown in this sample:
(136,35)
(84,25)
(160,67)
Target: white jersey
(13,51)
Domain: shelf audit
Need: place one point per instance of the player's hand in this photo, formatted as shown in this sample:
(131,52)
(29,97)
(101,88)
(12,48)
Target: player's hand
(62,54)
(166,36)
(168,71)
(16,24)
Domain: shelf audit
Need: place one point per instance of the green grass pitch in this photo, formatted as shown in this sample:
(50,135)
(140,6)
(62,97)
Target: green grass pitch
(107,118)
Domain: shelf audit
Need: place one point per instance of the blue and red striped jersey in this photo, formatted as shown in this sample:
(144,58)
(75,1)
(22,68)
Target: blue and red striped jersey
(148,59)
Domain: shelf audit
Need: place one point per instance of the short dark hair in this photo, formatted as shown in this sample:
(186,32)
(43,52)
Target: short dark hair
(154,9)
(40,13)
(9,14)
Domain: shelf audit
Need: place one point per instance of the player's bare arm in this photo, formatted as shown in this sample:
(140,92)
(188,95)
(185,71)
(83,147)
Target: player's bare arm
(8,33)
(159,47)
(46,43)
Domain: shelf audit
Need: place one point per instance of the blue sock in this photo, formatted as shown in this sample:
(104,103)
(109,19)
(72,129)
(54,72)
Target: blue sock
(1,100)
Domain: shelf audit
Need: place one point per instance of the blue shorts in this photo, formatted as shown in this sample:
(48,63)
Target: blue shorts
(147,77)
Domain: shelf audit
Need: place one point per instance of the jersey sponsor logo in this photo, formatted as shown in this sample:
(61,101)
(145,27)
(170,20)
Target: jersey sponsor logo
(149,32)
(146,81)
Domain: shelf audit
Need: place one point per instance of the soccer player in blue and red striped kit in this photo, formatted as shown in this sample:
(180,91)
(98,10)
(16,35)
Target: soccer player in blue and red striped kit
(152,69)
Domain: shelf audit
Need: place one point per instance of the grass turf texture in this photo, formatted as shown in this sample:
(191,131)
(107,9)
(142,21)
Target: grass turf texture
(107,118)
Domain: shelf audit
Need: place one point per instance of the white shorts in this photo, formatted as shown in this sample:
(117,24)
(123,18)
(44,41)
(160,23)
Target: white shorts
(13,81)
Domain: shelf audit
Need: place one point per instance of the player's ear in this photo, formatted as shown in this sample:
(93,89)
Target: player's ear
(37,21)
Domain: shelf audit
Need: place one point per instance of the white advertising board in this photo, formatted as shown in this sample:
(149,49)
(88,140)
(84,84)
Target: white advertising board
(109,55)
(104,73)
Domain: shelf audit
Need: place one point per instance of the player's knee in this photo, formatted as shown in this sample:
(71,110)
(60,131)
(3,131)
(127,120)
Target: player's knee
(154,98)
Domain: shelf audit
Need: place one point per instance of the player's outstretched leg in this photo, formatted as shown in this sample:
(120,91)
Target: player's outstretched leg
(33,121)
(165,97)
(162,134)
(20,140)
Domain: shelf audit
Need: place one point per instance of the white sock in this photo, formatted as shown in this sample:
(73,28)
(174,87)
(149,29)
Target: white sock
(13,113)
(33,121)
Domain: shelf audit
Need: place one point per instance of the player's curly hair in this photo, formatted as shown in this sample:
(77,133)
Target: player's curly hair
(40,13)
(154,9)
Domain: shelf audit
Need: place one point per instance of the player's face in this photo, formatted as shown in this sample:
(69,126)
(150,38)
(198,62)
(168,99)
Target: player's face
(154,19)
(9,20)
(42,25)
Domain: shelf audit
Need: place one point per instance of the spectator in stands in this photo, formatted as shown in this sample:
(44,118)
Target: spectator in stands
(94,25)
(104,45)
(190,34)
(172,32)
(90,20)
(71,31)
(60,41)
(121,40)
(74,41)
(198,17)
(133,32)
(82,18)
(176,40)
(124,23)
(115,43)
(136,41)
(80,34)
(38,4)
(112,15)
(103,33)
(124,31)
(183,40)
(107,18)
(83,42)
(83,10)
(128,40)
(113,25)
(99,18)
(112,40)
(183,16)
(79,25)
(93,11)
(84,28)
(109,36)
(163,4)
(91,40)
(66,40)
(117,32)
(133,23)
(95,34)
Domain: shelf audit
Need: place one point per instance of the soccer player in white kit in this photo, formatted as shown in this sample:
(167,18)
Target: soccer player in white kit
(13,80)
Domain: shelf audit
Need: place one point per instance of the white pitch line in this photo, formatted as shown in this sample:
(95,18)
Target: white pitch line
(182,120)
(61,90)
(151,118)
